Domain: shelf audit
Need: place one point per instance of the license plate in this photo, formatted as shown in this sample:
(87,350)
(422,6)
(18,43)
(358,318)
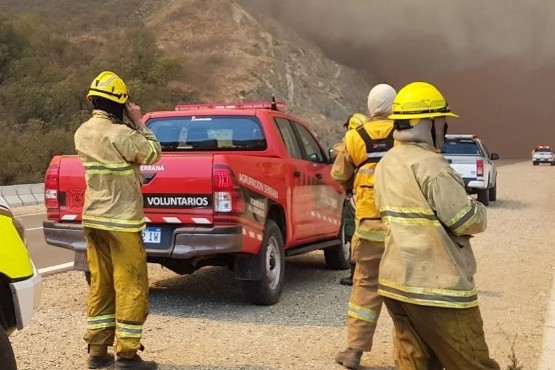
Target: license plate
(152,235)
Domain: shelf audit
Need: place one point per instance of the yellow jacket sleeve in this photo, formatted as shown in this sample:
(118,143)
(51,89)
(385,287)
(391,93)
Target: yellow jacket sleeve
(343,169)
(141,147)
(456,210)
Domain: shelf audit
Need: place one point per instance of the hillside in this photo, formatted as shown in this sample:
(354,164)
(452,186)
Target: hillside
(228,55)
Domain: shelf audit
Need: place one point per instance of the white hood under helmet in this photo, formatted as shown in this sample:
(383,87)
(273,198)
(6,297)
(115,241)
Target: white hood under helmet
(380,100)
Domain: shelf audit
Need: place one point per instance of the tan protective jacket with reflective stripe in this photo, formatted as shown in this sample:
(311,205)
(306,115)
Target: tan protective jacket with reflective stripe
(112,154)
(353,157)
(428,259)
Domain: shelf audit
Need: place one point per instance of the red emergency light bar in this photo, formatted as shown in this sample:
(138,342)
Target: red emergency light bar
(246,105)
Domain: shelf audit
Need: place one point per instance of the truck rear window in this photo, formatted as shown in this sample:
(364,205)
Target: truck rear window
(210,133)
(461,146)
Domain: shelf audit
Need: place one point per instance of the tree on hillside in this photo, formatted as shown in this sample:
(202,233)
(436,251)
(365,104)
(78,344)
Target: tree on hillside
(43,84)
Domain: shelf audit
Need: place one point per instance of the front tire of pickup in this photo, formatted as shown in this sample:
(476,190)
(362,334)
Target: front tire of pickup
(7,357)
(483,196)
(267,290)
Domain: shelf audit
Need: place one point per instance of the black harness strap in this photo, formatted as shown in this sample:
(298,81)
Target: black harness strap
(375,147)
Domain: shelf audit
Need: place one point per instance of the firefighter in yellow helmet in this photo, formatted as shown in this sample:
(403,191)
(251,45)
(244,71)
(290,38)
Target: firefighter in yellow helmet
(113,218)
(348,218)
(426,273)
(363,149)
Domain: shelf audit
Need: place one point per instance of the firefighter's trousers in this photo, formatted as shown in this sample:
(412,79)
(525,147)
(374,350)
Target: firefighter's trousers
(118,295)
(430,338)
(364,303)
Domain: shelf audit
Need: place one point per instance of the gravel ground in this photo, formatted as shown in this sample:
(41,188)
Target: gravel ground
(200,321)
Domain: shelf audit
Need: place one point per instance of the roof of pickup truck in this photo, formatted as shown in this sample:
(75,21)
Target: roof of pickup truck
(461,136)
(220,109)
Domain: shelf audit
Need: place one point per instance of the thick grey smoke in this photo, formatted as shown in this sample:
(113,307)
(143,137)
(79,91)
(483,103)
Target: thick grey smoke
(492,59)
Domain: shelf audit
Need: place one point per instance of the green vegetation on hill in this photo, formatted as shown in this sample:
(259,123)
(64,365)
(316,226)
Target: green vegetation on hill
(44,76)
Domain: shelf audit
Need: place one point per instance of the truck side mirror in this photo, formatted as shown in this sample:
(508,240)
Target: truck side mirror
(494,156)
(331,155)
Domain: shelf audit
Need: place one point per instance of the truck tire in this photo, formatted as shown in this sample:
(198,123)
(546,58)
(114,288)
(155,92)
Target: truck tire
(7,357)
(483,196)
(339,257)
(535,163)
(267,290)
(493,193)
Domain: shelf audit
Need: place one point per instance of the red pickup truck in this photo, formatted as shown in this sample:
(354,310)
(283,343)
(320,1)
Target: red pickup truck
(238,185)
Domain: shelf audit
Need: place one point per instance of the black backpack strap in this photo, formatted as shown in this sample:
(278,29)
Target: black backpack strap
(375,148)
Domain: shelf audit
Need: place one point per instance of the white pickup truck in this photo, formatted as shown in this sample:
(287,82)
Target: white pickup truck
(543,154)
(468,155)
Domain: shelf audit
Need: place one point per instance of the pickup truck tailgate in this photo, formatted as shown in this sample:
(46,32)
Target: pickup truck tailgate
(464,165)
(178,189)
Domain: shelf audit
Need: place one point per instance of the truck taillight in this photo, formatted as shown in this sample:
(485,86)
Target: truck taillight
(227,194)
(51,189)
(479,167)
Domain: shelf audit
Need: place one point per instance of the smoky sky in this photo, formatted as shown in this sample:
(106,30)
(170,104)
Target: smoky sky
(494,60)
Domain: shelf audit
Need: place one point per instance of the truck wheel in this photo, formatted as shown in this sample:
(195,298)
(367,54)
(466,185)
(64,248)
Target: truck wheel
(483,196)
(535,163)
(339,257)
(493,193)
(267,290)
(7,358)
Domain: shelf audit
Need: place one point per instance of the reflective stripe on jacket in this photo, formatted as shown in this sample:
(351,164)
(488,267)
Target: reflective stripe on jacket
(112,154)
(428,259)
(361,151)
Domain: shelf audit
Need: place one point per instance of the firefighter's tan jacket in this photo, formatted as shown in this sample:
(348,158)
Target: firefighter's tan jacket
(112,154)
(430,218)
(355,165)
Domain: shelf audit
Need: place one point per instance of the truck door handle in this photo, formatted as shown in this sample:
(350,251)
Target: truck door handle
(319,176)
(297,173)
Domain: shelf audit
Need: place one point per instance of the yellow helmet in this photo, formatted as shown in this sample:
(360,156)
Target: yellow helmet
(355,121)
(420,100)
(110,86)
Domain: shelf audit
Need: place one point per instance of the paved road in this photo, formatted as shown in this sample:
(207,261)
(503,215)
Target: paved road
(43,255)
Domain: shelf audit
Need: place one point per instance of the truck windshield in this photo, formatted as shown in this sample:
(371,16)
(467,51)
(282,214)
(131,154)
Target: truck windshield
(209,133)
(465,147)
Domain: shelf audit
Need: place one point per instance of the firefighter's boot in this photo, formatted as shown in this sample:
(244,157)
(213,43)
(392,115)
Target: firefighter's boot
(348,280)
(135,363)
(100,362)
(350,358)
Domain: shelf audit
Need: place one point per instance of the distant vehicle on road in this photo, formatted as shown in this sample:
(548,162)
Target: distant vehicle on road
(469,156)
(543,154)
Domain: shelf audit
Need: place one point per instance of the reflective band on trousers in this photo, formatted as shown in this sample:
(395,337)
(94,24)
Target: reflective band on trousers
(429,297)
(128,330)
(376,236)
(101,322)
(361,313)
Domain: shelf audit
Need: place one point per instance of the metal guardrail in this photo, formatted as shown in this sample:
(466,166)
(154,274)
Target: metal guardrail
(22,195)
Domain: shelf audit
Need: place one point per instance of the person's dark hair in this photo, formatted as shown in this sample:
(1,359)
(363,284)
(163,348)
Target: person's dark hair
(108,106)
